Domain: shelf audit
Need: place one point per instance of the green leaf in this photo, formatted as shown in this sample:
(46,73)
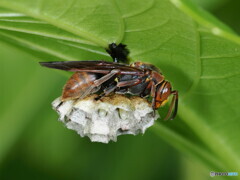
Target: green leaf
(23,95)
(229,14)
(196,52)
(211,5)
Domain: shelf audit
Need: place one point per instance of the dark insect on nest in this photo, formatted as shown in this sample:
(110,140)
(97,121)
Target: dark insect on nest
(104,78)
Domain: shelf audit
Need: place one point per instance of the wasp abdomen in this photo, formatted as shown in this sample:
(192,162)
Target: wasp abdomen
(77,85)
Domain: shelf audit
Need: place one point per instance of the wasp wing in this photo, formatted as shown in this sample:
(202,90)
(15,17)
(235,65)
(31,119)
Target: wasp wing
(102,67)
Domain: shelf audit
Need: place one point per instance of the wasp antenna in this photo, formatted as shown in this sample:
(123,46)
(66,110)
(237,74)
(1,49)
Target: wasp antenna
(175,93)
(173,103)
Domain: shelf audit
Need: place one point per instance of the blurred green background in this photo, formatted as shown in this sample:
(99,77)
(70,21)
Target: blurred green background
(34,145)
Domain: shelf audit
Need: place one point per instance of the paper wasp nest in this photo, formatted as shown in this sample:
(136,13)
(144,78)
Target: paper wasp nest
(105,119)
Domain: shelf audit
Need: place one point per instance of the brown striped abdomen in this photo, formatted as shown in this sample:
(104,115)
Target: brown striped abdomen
(78,85)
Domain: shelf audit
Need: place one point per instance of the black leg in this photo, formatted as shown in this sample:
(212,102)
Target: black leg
(99,82)
(111,89)
(153,94)
(103,79)
(106,92)
(132,82)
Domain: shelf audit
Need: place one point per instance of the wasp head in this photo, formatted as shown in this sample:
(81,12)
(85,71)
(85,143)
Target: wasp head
(163,91)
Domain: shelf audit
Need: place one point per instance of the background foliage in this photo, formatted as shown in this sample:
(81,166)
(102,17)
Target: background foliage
(197,52)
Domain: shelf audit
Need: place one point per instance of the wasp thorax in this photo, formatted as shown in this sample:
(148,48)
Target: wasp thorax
(105,119)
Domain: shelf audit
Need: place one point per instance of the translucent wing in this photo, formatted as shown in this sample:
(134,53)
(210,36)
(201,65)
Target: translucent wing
(102,67)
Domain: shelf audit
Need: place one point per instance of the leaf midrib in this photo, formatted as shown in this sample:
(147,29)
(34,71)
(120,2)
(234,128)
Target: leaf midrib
(59,24)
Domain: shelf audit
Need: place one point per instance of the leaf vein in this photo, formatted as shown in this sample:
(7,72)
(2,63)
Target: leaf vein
(48,35)
(220,77)
(140,11)
(148,28)
(121,25)
(67,9)
(198,64)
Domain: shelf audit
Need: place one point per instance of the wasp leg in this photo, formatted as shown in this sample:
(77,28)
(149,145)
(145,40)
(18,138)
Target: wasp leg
(106,77)
(173,103)
(99,82)
(153,94)
(122,91)
(137,81)
(108,90)
(133,82)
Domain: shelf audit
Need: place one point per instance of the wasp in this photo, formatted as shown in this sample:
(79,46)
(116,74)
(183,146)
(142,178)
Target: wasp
(102,77)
